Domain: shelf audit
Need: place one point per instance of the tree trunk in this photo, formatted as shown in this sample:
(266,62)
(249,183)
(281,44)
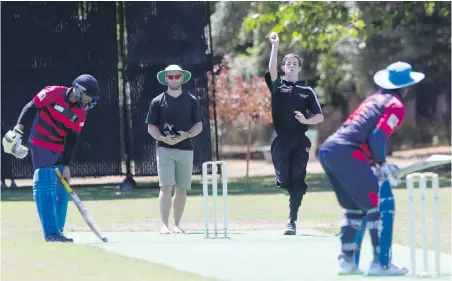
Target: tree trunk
(248,149)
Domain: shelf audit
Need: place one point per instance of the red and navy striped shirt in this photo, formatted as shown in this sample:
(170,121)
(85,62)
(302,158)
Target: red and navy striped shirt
(56,118)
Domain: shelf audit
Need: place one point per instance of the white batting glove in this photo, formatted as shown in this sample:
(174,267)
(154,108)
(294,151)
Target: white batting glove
(384,171)
(12,140)
(21,152)
(12,143)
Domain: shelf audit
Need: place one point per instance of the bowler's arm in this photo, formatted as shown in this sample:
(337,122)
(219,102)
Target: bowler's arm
(273,63)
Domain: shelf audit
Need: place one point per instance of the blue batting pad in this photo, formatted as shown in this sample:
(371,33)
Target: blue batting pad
(351,225)
(44,193)
(359,240)
(387,211)
(62,198)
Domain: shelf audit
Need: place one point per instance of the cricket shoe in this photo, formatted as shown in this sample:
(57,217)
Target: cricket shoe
(58,238)
(291,228)
(376,269)
(347,266)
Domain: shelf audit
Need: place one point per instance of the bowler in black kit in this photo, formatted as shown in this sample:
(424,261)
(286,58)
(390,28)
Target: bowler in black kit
(291,102)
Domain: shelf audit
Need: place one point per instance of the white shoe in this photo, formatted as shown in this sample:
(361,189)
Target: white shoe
(376,269)
(348,267)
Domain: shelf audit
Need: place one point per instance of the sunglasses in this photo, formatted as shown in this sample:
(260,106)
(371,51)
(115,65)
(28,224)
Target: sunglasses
(176,76)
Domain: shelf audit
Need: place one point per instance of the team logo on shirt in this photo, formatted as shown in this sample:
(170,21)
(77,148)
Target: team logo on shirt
(58,108)
(392,121)
(284,89)
(41,96)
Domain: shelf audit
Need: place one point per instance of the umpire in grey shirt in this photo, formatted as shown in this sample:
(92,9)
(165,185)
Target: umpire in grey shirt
(174,117)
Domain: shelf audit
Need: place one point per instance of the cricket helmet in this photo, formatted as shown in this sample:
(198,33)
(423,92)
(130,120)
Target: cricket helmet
(87,84)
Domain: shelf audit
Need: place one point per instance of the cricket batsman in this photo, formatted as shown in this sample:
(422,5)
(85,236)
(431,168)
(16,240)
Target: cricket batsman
(349,157)
(60,115)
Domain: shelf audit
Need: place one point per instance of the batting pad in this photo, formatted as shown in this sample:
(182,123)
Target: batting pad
(359,240)
(387,210)
(62,198)
(44,194)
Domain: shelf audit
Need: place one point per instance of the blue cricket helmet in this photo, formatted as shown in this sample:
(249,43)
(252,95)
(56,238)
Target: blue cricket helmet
(87,84)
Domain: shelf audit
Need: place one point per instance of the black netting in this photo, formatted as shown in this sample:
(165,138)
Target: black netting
(163,32)
(160,34)
(50,43)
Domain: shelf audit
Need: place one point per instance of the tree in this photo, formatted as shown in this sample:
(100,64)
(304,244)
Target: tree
(241,101)
(419,33)
(309,29)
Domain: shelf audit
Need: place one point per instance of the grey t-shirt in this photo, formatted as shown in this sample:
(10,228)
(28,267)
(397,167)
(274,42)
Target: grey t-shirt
(172,114)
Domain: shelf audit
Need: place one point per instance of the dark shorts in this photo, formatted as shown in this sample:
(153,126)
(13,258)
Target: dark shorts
(44,158)
(351,176)
(290,155)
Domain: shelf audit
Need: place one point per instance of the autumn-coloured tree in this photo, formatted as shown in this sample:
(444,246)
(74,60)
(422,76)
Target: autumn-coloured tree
(242,101)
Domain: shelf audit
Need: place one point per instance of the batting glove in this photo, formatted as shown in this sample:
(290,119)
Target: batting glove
(12,142)
(384,171)
(21,152)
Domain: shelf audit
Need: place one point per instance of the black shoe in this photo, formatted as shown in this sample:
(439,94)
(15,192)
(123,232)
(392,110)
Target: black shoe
(58,238)
(291,228)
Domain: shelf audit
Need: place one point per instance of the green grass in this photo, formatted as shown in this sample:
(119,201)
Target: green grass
(255,203)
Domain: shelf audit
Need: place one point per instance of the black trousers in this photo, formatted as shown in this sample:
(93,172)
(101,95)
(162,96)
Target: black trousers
(290,155)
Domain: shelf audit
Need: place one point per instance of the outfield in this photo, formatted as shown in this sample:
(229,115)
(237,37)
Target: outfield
(253,204)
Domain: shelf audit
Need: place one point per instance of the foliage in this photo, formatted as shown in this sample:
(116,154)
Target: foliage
(418,32)
(241,100)
(314,26)
(305,28)
(226,24)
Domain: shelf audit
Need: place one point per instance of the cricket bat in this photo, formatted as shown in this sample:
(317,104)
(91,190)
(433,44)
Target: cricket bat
(81,207)
(429,162)
(387,219)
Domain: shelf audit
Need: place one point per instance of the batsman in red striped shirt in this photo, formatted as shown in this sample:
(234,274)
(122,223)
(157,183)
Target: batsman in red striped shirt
(60,114)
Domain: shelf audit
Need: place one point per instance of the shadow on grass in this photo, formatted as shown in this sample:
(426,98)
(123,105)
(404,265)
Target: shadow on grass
(236,187)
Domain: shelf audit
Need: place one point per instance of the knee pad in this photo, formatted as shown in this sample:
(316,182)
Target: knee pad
(44,195)
(386,206)
(62,198)
(357,220)
(351,234)
(354,218)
